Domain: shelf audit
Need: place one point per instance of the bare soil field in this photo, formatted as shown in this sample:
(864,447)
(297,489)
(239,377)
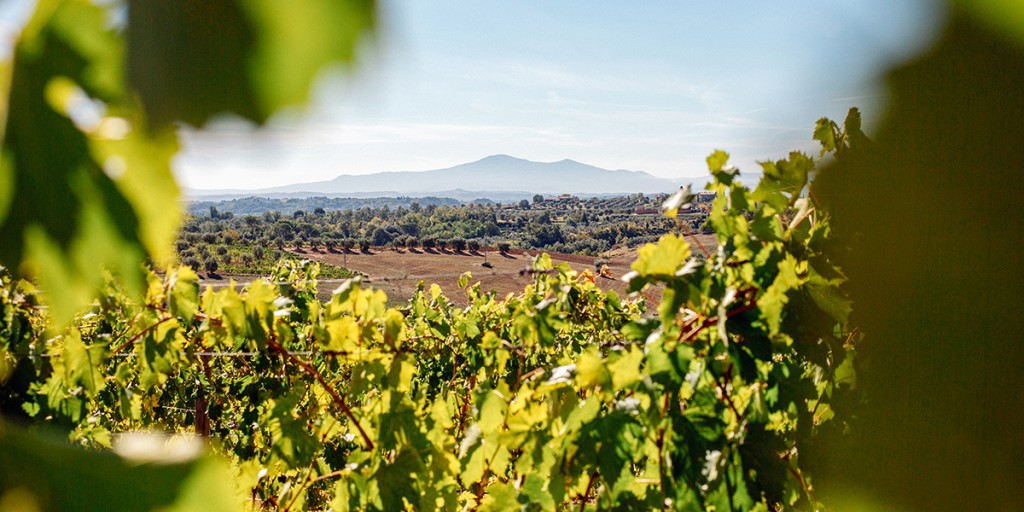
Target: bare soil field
(398,272)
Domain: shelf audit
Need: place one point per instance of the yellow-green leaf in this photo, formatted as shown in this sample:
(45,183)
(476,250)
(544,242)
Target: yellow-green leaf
(663,258)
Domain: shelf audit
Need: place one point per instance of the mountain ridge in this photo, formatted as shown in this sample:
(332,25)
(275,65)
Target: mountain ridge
(498,175)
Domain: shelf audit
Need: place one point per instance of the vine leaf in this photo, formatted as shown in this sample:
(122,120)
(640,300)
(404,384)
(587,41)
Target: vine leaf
(54,475)
(88,190)
(259,56)
(781,178)
(662,258)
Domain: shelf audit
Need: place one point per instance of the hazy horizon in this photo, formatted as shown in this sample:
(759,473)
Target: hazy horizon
(395,171)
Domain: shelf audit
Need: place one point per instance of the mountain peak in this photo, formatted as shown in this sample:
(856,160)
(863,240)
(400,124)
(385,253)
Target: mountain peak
(500,158)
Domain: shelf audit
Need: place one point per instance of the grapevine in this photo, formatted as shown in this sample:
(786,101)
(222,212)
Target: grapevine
(561,397)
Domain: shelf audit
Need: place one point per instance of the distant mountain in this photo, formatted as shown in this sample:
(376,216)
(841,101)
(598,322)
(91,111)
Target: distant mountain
(498,177)
(251,205)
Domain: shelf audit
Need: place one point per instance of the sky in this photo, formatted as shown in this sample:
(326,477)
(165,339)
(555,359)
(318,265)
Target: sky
(653,86)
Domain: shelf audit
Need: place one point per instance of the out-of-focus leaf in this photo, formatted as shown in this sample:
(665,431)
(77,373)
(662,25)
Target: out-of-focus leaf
(932,213)
(717,160)
(192,59)
(680,199)
(55,476)
(88,189)
(624,368)
(1005,17)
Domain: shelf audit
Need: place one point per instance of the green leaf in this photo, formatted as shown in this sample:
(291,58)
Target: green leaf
(851,126)
(402,373)
(591,371)
(84,365)
(825,134)
(828,297)
(534,492)
(192,60)
(343,335)
(397,480)
(717,160)
(89,189)
(668,367)
(783,177)
(472,455)
(394,324)
(500,497)
(624,367)
(772,302)
(290,440)
(183,299)
(492,412)
(663,258)
(53,475)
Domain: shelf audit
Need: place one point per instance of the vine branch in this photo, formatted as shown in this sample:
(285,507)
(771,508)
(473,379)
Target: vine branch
(335,396)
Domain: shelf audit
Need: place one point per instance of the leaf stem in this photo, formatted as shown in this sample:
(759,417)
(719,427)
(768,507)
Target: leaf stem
(586,493)
(140,334)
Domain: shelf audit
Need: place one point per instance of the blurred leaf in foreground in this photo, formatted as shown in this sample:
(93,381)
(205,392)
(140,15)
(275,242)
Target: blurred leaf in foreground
(37,473)
(88,190)
(192,59)
(934,210)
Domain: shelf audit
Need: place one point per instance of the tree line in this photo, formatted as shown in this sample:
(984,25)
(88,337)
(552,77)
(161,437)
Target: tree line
(221,239)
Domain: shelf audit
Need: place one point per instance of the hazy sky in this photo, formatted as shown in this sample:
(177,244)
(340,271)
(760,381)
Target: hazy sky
(653,86)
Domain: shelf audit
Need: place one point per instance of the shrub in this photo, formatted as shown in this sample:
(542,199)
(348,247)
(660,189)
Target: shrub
(191,262)
(210,265)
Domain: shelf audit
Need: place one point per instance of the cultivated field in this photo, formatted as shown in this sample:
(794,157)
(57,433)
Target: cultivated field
(398,272)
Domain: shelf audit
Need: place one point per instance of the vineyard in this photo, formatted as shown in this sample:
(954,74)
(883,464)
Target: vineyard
(562,396)
(850,342)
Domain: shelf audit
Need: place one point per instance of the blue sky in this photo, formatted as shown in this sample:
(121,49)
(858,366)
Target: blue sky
(652,86)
